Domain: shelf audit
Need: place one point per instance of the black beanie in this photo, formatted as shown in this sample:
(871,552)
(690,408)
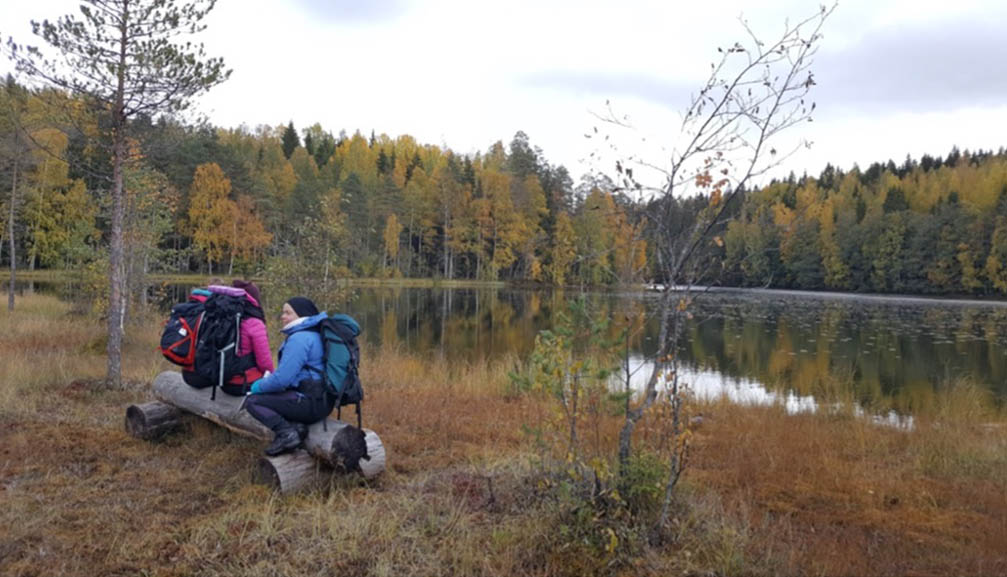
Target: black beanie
(303,306)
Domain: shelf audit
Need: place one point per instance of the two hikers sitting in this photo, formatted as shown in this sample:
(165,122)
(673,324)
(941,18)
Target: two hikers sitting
(317,362)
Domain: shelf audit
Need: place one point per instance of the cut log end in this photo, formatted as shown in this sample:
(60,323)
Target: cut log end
(288,472)
(358,450)
(349,447)
(374,465)
(153,420)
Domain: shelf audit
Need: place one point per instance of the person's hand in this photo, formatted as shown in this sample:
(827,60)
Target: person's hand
(255,389)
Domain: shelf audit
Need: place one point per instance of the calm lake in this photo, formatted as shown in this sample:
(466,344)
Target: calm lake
(889,355)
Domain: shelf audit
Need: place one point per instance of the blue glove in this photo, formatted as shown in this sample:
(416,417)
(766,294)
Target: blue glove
(254,389)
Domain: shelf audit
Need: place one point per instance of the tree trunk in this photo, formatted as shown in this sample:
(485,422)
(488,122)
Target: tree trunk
(129,281)
(325,274)
(447,251)
(115,272)
(115,255)
(143,279)
(409,264)
(339,446)
(10,223)
(669,327)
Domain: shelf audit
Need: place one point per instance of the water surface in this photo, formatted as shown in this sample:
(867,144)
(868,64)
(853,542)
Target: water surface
(881,353)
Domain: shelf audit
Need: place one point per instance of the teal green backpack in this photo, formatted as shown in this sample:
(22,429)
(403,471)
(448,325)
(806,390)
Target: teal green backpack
(347,390)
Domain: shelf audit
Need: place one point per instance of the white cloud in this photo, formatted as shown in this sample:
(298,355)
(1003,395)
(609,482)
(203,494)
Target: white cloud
(465,73)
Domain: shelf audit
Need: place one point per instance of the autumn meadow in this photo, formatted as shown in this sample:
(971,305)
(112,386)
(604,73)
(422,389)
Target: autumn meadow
(698,363)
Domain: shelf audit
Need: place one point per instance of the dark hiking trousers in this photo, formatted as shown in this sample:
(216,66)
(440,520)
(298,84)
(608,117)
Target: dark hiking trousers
(275,410)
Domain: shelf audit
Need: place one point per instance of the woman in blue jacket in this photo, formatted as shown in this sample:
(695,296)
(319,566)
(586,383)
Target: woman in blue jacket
(295,395)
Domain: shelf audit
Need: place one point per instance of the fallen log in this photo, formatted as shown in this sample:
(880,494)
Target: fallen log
(285,473)
(337,444)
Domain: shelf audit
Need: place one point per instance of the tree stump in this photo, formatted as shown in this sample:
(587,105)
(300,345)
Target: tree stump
(153,420)
(337,444)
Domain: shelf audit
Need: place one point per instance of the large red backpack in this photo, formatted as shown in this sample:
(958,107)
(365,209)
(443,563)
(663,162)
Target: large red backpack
(178,339)
(202,336)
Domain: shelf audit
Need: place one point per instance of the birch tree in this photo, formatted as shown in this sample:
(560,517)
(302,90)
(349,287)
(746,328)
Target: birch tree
(727,139)
(14,145)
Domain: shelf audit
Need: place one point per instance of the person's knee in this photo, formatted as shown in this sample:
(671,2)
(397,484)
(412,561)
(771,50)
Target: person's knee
(254,405)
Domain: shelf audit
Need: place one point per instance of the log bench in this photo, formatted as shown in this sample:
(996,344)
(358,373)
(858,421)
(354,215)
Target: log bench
(336,445)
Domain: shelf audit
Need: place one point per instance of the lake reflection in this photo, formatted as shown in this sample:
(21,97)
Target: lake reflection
(879,354)
(712,385)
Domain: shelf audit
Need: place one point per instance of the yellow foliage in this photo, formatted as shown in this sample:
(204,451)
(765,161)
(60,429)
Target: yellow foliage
(212,214)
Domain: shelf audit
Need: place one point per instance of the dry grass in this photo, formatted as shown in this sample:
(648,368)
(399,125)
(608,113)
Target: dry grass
(841,496)
(765,493)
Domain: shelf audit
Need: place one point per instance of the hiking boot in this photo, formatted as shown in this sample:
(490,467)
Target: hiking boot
(284,441)
(302,430)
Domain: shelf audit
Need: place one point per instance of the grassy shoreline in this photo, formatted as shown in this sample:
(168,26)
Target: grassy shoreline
(58,275)
(765,492)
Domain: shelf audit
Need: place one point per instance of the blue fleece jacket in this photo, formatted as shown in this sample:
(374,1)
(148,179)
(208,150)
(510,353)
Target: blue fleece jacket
(301,357)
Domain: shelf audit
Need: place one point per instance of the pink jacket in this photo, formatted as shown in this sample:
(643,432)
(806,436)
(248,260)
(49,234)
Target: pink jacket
(255,340)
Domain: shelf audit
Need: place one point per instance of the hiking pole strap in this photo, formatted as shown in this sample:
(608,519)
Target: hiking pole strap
(220,376)
(220,372)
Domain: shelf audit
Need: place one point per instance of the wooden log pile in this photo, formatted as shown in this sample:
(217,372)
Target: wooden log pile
(335,446)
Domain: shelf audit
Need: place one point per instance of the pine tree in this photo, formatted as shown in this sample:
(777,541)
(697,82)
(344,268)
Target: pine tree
(290,140)
(121,57)
(309,144)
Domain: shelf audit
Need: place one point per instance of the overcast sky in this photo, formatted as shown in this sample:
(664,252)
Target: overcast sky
(894,77)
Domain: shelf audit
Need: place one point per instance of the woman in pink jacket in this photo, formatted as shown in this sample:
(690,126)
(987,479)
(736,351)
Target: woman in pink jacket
(254,340)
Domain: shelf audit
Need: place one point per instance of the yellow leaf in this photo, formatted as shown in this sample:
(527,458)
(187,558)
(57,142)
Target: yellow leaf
(613,540)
